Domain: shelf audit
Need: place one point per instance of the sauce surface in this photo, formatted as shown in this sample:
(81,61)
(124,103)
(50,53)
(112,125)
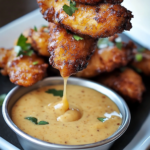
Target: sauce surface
(74,126)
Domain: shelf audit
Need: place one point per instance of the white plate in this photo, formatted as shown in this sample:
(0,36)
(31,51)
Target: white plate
(11,31)
(141,21)
(141,141)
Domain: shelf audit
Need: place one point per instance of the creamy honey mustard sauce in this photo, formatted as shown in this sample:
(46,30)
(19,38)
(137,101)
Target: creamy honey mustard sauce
(72,123)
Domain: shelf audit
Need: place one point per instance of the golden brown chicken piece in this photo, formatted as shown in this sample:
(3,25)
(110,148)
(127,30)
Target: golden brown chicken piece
(108,59)
(67,54)
(102,20)
(39,40)
(22,70)
(4,57)
(99,1)
(128,83)
(144,64)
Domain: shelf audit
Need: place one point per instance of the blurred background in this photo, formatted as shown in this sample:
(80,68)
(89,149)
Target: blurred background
(13,9)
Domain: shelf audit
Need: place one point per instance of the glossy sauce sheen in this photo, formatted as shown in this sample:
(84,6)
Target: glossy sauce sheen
(74,126)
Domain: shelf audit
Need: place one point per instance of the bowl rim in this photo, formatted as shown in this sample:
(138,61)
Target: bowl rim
(110,139)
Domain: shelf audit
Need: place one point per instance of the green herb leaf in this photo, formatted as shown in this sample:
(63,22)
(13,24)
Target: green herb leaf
(44,26)
(22,47)
(35,63)
(35,28)
(32,119)
(22,42)
(55,92)
(2,97)
(138,57)
(102,119)
(77,38)
(118,41)
(141,50)
(104,42)
(70,9)
(43,123)
(119,45)
(20,51)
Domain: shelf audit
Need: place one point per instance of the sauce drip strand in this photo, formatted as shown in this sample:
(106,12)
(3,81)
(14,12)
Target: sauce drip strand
(62,109)
(64,100)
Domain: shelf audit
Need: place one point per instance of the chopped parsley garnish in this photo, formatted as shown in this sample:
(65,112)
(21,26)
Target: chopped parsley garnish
(22,47)
(118,41)
(102,119)
(32,119)
(104,42)
(70,9)
(35,28)
(35,121)
(141,50)
(77,38)
(43,123)
(55,92)
(119,45)
(35,63)
(44,26)
(2,97)
(138,57)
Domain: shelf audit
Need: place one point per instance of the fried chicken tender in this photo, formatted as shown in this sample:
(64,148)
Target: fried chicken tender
(99,1)
(102,20)
(21,70)
(128,83)
(67,54)
(144,64)
(108,59)
(39,40)
(4,57)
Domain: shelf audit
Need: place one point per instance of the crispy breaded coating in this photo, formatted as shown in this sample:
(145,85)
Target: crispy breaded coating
(39,40)
(128,83)
(144,64)
(4,57)
(21,70)
(108,59)
(102,20)
(67,54)
(99,1)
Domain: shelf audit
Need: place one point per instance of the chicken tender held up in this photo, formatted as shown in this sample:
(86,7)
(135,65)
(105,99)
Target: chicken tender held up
(128,83)
(102,20)
(144,64)
(39,40)
(107,59)
(69,52)
(99,1)
(22,70)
